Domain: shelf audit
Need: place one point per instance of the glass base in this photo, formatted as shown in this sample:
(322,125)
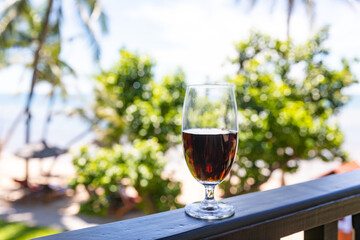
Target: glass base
(214,211)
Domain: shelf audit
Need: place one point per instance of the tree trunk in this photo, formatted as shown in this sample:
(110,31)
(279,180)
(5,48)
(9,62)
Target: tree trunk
(283,183)
(290,9)
(34,78)
(49,113)
(35,70)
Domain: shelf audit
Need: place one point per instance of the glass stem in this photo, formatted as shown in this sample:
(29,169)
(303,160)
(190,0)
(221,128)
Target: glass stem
(209,202)
(209,192)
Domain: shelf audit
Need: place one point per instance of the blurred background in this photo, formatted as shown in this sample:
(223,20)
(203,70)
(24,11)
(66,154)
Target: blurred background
(91,96)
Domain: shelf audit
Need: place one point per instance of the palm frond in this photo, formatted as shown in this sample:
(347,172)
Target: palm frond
(310,10)
(99,15)
(11,21)
(253,2)
(66,68)
(16,23)
(3,62)
(90,11)
(289,14)
(355,5)
(11,11)
(85,20)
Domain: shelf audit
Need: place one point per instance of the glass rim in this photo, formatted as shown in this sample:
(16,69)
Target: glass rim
(211,85)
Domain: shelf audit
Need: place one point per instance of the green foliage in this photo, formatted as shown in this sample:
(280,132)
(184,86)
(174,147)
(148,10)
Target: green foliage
(132,104)
(20,231)
(21,26)
(132,109)
(107,171)
(286,96)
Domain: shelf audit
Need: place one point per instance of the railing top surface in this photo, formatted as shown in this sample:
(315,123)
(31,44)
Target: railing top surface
(250,209)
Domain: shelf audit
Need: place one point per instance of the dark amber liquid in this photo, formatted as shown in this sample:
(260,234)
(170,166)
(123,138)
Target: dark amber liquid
(209,152)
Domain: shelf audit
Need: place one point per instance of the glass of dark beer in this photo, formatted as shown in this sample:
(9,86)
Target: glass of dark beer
(210,137)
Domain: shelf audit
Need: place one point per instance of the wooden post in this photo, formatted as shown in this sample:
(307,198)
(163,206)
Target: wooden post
(325,232)
(356,225)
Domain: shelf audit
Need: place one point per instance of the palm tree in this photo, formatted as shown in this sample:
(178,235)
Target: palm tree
(308,4)
(35,34)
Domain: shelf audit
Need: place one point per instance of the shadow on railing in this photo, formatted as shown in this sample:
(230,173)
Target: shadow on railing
(313,207)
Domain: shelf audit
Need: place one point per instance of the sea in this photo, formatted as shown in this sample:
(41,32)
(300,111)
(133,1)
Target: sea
(64,128)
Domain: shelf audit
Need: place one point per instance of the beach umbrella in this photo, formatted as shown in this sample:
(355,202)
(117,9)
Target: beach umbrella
(37,150)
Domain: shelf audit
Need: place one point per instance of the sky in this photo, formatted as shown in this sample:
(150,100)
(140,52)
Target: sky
(196,36)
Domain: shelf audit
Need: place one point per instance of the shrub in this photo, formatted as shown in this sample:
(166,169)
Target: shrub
(106,172)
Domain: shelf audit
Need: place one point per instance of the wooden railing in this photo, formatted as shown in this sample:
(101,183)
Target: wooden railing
(313,207)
